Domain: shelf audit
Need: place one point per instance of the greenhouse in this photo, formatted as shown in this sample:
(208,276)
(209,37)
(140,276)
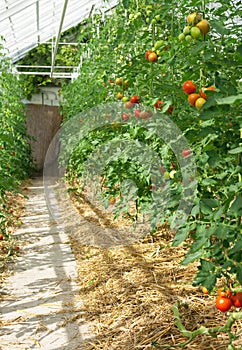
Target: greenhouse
(120,174)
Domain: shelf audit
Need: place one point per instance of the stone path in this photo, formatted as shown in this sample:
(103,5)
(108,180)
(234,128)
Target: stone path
(41,310)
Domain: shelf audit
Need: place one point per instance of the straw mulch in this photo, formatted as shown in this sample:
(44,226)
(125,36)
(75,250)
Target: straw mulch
(127,293)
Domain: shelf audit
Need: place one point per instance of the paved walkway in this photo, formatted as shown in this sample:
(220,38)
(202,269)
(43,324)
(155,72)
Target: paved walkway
(41,310)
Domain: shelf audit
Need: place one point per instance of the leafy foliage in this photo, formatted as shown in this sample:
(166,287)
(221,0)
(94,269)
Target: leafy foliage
(116,48)
(15,160)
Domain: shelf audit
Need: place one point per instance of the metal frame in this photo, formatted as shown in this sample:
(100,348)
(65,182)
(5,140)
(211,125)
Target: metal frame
(27,23)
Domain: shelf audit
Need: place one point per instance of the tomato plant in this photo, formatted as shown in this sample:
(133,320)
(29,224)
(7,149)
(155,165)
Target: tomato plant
(213,131)
(15,160)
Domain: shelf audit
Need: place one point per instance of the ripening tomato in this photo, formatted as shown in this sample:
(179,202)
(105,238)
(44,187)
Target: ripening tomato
(223,304)
(135,99)
(192,98)
(152,57)
(119,81)
(129,105)
(189,87)
(200,102)
(194,18)
(224,292)
(202,91)
(237,299)
(205,291)
(204,26)
(112,200)
(119,96)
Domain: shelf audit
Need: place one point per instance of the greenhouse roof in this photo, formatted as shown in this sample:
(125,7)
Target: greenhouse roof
(24,24)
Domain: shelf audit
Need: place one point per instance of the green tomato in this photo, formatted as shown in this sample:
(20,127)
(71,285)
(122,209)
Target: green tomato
(158,44)
(157,17)
(137,15)
(153,22)
(181,37)
(186,30)
(166,175)
(188,38)
(195,32)
(125,99)
(131,16)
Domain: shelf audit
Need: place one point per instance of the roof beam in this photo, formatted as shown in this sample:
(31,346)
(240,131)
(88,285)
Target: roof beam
(58,38)
(8,12)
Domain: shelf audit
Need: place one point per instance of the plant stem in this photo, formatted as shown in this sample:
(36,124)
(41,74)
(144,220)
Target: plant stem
(233,317)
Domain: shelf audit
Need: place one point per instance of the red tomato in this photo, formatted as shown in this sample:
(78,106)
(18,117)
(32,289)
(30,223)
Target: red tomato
(135,99)
(125,116)
(1,237)
(159,104)
(152,57)
(145,114)
(237,299)
(189,87)
(137,113)
(170,109)
(192,98)
(186,152)
(223,304)
(147,54)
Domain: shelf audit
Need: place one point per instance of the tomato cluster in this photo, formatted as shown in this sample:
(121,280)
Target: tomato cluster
(196,27)
(226,299)
(196,99)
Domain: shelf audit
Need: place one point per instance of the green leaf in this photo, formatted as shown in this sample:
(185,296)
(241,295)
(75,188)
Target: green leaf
(236,207)
(239,273)
(219,27)
(236,150)
(206,279)
(236,248)
(192,257)
(180,237)
(228,100)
